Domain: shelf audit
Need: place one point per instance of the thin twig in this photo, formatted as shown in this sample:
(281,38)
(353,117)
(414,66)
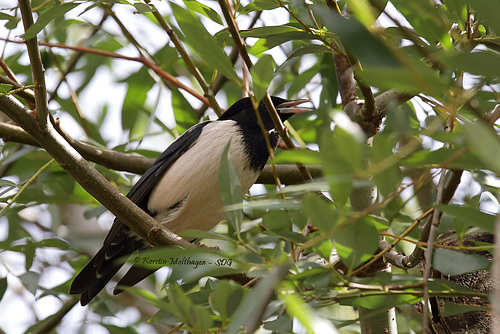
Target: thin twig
(233,29)
(187,59)
(25,185)
(71,63)
(157,68)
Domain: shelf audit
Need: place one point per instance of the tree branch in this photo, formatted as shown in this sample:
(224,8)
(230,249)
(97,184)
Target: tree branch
(187,60)
(42,106)
(136,164)
(51,322)
(90,179)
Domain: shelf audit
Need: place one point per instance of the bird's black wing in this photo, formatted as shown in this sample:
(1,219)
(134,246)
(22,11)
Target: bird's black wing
(119,242)
(139,194)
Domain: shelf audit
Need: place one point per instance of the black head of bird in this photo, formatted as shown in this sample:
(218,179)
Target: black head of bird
(181,188)
(243,112)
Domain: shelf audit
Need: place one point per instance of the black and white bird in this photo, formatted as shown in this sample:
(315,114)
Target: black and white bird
(181,188)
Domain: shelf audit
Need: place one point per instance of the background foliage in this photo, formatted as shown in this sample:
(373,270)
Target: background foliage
(131,76)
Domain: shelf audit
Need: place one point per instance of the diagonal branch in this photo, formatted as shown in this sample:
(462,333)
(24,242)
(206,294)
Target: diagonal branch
(90,179)
(42,130)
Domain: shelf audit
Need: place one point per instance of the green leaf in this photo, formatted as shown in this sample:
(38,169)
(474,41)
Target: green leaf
(203,10)
(198,234)
(429,21)
(413,80)
(277,220)
(29,253)
(382,302)
(251,306)
(480,63)
(193,315)
(485,143)
(272,36)
(370,50)
(386,177)
(262,74)
(185,115)
(342,156)
(3,286)
(261,5)
(226,298)
(284,324)
(356,242)
(487,11)
(426,158)
(287,235)
(13,21)
(308,157)
(46,17)
(7,183)
(230,189)
(454,309)
(139,84)
(298,309)
(54,242)
(203,42)
(30,281)
(142,8)
(308,49)
(319,211)
(470,216)
(453,263)
(5,88)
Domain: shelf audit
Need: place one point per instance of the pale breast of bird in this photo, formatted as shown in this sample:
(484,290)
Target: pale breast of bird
(188,195)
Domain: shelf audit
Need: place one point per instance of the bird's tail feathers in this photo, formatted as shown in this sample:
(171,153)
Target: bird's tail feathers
(132,277)
(98,272)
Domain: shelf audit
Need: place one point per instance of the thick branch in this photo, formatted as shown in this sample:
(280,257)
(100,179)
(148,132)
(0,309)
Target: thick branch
(90,179)
(345,79)
(137,164)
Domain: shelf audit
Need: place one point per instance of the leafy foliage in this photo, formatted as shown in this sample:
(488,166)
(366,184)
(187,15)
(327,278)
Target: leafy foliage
(117,79)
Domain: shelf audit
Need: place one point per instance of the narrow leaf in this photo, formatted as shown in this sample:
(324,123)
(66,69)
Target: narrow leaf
(230,189)
(262,74)
(3,286)
(483,141)
(356,242)
(203,10)
(454,263)
(46,17)
(203,42)
(470,216)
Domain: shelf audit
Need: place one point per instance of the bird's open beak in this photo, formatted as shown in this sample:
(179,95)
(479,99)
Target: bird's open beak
(290,107)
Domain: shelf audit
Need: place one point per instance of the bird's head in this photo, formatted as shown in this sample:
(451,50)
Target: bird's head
(243,112)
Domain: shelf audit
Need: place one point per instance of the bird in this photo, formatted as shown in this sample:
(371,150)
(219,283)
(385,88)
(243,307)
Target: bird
(181,188)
